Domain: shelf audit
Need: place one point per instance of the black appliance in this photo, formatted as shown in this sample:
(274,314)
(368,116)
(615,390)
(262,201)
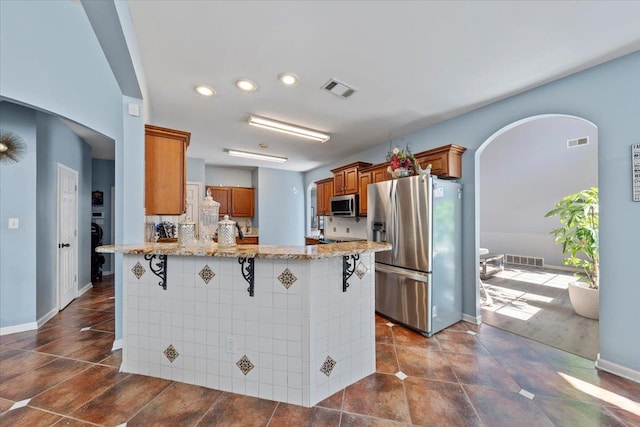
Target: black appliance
(97,259)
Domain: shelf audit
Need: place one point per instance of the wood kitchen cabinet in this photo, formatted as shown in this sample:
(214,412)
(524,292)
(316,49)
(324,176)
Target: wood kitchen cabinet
(243,202)
(311,241)
(234,201)
(364,179)
(165,162)
(446,161)
(324,192)
(345,178)
(249,240)
(369,175)
(222,195)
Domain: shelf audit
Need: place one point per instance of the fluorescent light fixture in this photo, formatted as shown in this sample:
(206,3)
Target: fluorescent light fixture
(205,90)
(246,85)
(288,128)
(288,79)
(257,156)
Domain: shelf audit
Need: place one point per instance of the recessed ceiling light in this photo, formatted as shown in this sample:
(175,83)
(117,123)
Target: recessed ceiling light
(257,156)
(263,145)
(288,79)
(246,85)
(205,90)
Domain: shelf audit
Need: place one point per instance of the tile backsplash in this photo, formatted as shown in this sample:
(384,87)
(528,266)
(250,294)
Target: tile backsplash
(345,227)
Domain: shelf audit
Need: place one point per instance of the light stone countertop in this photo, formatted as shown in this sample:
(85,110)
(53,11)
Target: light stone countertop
(251,251)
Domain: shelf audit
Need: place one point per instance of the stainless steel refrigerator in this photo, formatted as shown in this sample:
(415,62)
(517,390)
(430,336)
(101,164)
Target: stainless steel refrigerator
(418,282)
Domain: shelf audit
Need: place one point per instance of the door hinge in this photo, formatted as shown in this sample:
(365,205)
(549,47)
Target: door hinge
(75,278)
(76,187)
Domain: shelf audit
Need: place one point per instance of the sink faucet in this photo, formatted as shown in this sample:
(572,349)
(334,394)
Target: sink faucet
(240,234)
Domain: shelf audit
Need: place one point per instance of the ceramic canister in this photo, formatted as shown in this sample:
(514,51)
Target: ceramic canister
(226,233)
(186,233)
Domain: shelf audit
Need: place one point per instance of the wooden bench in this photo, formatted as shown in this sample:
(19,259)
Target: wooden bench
(490,265)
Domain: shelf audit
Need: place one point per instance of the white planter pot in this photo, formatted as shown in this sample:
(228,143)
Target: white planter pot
(585,301)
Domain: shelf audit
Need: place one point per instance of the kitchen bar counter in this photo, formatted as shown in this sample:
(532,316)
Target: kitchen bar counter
(251,251)
(293,324)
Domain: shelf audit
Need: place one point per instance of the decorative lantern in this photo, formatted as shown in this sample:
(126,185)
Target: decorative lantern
(209,210)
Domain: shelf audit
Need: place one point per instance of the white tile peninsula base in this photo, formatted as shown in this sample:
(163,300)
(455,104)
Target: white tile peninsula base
(299,339)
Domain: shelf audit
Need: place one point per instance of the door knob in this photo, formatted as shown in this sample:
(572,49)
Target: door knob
(64,245)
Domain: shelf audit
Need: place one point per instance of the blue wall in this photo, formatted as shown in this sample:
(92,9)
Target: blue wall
(18,200)
(607,95)
(281,208)
(58,144)
(103,178)
(79,85)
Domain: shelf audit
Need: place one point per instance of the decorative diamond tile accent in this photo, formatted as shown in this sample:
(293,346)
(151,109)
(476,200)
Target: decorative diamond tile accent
(328,366)
(245,364)
(471,333)
(401,375)
(207,274)
(138,270)
(361,270)
(389,324)
(171,353)
(287,278)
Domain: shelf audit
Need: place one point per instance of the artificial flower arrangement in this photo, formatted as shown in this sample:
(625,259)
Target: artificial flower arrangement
(401,158)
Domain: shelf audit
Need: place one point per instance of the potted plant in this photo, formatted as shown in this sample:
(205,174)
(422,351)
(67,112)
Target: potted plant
(578,235)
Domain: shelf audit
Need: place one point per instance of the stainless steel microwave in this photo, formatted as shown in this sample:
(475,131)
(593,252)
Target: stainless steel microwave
(344,205)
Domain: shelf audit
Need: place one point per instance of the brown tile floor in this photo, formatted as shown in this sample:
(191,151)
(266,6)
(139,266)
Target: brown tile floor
(465,376)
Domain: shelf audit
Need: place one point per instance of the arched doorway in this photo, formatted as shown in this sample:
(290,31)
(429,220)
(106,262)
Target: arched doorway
(522,170)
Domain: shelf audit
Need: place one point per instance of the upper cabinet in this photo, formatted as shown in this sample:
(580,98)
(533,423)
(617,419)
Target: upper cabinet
(324,192)
(243,202)
(446,161)
(221,195)
(364,179)
(165,170)
(234,201)
(345,178)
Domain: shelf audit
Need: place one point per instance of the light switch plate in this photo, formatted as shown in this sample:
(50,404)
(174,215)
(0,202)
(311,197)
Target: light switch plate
(134,109)
(14,223)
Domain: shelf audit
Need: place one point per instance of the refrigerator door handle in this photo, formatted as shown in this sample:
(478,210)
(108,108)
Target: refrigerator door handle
(420,277)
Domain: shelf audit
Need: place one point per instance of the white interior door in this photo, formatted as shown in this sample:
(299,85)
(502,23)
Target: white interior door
(194,193)
(67,235)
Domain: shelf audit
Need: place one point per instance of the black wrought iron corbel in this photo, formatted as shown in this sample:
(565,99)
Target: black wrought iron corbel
(159,268)
(348,267)
(247,272)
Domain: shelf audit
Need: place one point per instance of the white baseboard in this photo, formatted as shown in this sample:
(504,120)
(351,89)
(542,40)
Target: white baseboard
(471,319)
(85,288)
(44,319)
(619,370)
(7,330)
(107,273)
(117,345)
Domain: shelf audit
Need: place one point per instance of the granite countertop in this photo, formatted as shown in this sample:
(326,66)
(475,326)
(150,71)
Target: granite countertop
(251,251)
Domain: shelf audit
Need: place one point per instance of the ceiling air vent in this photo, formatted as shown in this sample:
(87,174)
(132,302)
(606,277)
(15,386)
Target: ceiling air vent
(577,142)
(338,88)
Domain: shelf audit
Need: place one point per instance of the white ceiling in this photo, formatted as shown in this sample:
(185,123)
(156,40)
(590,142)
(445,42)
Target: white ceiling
(413,63)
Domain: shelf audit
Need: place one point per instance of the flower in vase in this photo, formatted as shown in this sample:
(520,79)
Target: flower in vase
(401,158)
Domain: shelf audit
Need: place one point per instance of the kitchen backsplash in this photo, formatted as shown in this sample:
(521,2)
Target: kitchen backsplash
(345,227)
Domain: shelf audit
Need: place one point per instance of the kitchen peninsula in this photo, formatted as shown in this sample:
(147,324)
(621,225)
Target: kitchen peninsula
(288,323)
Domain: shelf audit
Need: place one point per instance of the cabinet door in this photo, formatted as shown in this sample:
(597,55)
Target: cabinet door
(165,171)
(438,163)
(351,181)
(380,174)
(242,202)
(222,195)
(320,199)
(339,184)
(365,179)
(328,194)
